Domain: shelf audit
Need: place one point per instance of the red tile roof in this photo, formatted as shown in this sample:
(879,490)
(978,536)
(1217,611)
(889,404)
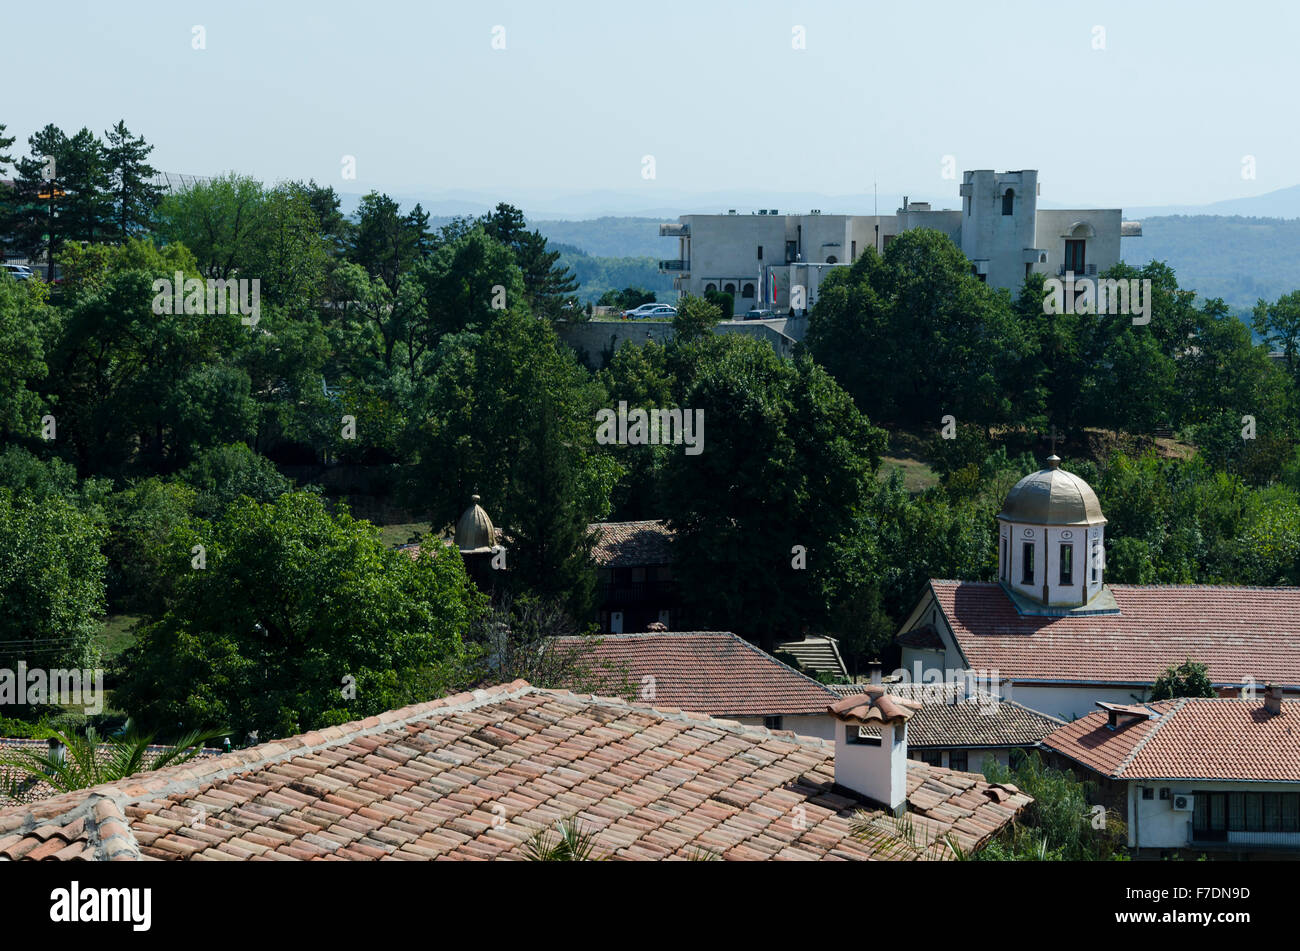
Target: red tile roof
(1191,738)
(474,776)
(948,718)
(1236,632)
(632,544)
(713,672)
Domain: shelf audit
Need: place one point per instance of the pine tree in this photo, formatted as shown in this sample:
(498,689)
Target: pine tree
(5,142)
(75,205)
(546,284)
(134,195)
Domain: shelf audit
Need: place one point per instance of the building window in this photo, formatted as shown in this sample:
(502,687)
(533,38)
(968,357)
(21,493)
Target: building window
(1096,560)
(760,252)
(957,760)
(772,723)
(1074,256)
(1067,565)
(1148,792)
(853,251)
(791,250)
(889,238)
(710,287)
(1006,568)
(730,289)
(747,291)
(1027,564)
(1008,201)
(831,260)
(931,757)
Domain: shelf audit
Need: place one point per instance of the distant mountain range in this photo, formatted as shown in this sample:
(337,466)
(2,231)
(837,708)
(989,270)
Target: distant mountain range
(653,200)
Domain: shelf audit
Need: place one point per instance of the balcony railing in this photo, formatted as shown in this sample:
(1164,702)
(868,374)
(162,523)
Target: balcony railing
(661,593)
(1243,840)
(675,265)
(1089,270)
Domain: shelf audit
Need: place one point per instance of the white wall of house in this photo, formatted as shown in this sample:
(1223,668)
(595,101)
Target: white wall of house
(1085,544)
(1068,701)
(820,725)
(1154,824)
(975,759)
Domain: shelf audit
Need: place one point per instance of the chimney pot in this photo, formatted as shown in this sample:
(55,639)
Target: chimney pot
(1273,699)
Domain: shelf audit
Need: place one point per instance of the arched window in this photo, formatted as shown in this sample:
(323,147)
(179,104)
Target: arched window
(1008,201)
(747,290)
(710,287)
(730,289)
(832,260)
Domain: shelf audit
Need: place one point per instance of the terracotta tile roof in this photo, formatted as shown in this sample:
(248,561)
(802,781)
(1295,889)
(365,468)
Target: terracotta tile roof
(925,637)
(1237,632)
(473,776)
(1191,738)
(25,790)
(632,544)
(713,672)
(947,718)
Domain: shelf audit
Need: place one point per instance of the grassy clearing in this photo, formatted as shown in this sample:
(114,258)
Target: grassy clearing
(402,532)
(907,451)
(116,635)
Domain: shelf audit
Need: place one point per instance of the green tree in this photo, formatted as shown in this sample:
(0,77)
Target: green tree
(511,415)
(786,460)
(548,286)
(25,324)
(1066,822)
(134,196)
(300,619)
(76,205)
(142,390)
(51,582)
(913,335)
(216,220)
(695,317)
(1188,679)
(149,544)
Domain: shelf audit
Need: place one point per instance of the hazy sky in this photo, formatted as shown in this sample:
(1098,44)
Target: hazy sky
(1164,114)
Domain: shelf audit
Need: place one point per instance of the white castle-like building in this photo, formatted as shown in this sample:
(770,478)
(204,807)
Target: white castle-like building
(760,258)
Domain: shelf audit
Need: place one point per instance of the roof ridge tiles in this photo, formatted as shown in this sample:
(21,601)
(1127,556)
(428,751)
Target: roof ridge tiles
(1161,718)
(158,784)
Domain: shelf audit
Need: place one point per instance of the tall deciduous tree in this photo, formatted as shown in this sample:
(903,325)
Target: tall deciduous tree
(299,620)
(786,460)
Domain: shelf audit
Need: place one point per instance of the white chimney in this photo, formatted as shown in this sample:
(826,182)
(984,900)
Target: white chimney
(874,767)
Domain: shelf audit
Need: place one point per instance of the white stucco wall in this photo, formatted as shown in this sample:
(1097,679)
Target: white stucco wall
(1068,702)
(1087,543)
(1153,823)
(723,248)
(821,726)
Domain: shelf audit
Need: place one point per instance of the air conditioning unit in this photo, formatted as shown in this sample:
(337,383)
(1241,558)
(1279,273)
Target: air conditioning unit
(1184,802)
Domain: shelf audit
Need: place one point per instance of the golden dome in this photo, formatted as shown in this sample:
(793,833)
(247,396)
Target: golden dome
(1052,496)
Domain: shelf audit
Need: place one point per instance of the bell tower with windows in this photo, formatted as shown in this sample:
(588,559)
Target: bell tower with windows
(1051,545)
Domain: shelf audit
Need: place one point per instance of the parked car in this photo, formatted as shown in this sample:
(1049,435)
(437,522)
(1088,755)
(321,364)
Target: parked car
(19,272)
(638,312)
(659,311)
(759,314)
